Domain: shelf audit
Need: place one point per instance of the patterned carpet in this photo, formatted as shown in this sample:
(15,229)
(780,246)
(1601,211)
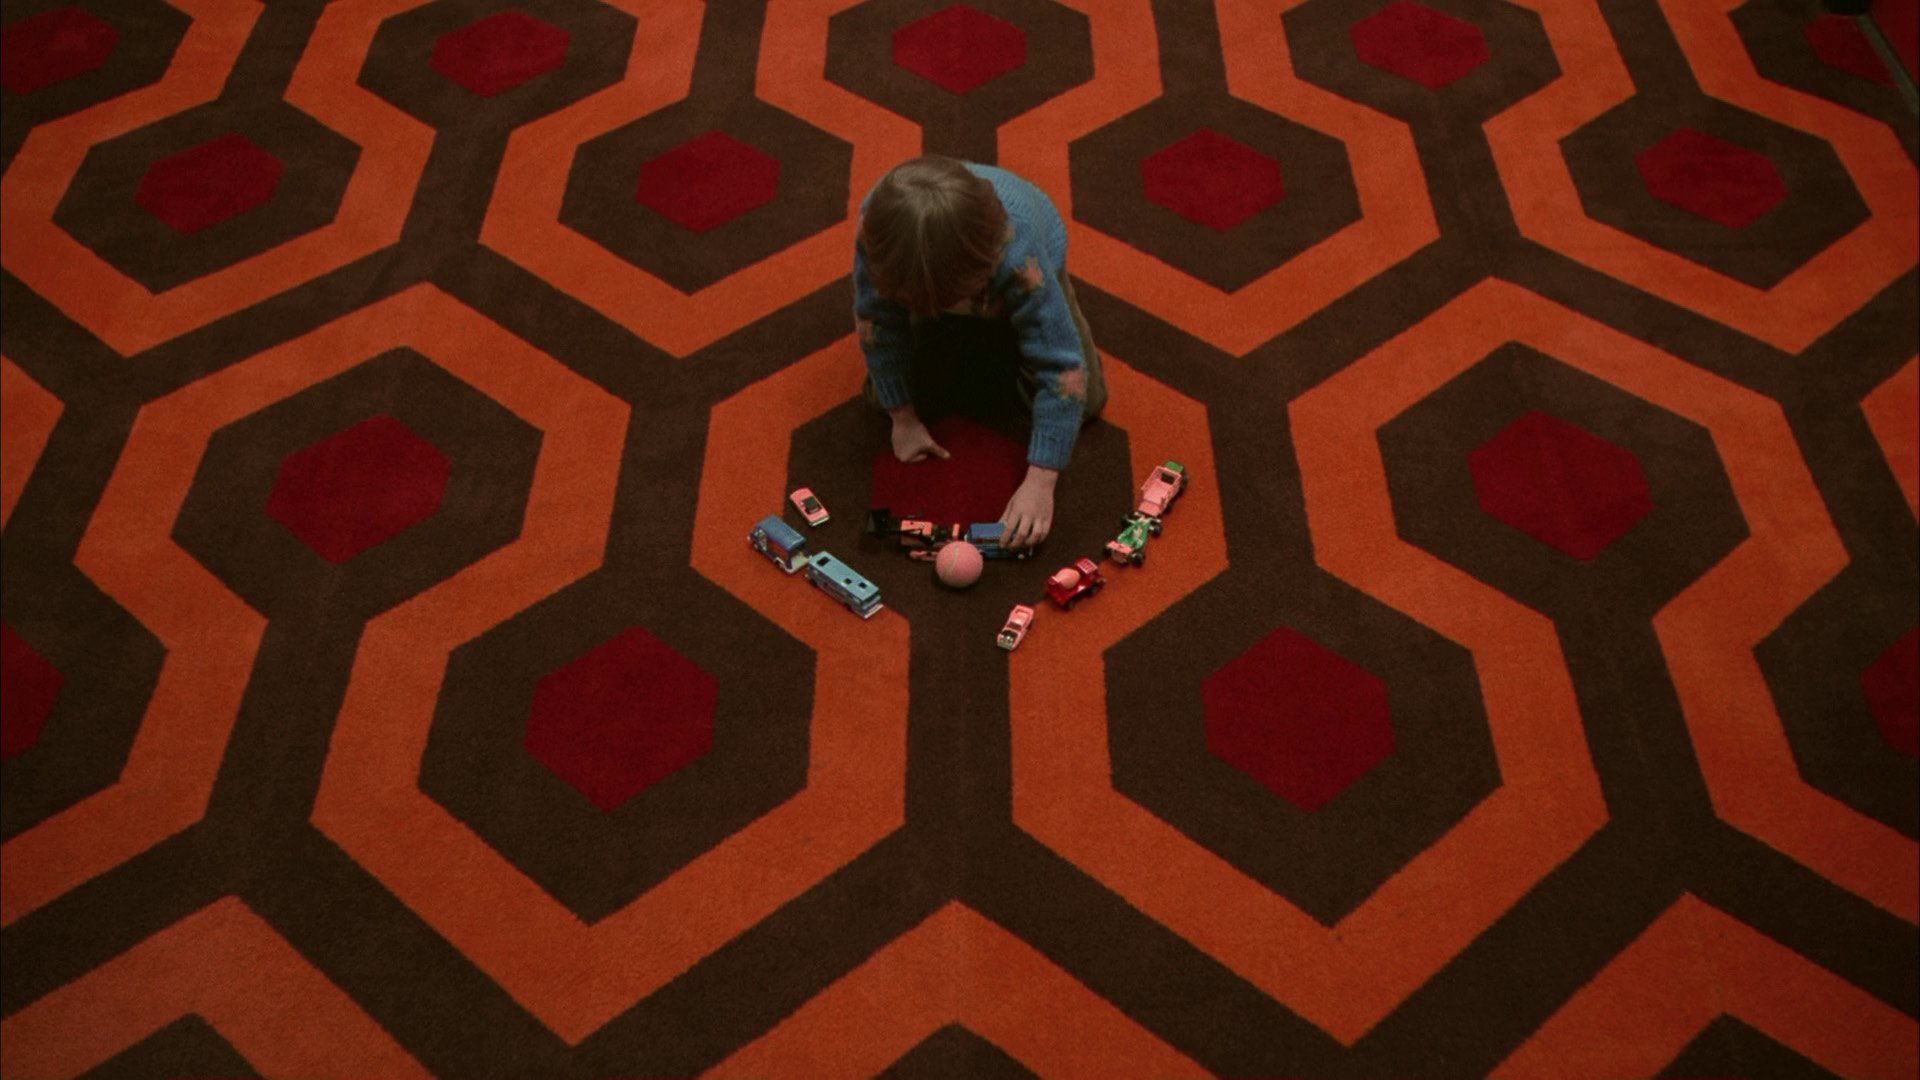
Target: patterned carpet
(1525,685)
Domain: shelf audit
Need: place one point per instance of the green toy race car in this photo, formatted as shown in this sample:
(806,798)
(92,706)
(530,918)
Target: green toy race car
(1130,546)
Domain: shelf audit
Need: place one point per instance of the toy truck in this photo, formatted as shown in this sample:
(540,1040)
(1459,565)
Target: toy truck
(918,537)
(1163,486)
(1071,584)
(986,535)
(779,542)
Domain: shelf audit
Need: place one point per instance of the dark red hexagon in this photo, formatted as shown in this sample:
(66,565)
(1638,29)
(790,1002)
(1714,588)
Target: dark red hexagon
(1212,180)
(30,685)
(51,47)
(1709,176)
(622,717)
(1839,43)
(209,183)
(706,182)
(1298,717)
(499,52)
(1892,685)
(1416,42)
(972,484)
(1560,484)
(960,48)
(359,487)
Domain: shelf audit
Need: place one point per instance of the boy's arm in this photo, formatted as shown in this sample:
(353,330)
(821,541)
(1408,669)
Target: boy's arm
(1050,348)
(884,335)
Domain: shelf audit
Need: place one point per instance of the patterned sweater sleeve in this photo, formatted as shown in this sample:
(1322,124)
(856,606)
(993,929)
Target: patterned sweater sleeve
(1050,349)
(882,326)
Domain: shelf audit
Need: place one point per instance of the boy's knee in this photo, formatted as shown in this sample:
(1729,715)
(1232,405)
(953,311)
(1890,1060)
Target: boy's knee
(1091,409)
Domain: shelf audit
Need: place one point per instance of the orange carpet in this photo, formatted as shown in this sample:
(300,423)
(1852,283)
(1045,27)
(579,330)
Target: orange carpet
(1527,682)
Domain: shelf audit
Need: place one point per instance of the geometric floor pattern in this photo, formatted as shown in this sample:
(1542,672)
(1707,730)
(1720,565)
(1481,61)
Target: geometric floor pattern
(1526,684)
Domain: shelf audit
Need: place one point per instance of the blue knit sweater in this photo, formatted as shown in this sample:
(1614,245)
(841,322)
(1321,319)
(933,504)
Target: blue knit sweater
(1026,289)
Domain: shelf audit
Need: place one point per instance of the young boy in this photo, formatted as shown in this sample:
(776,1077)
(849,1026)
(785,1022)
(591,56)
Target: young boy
(959,274)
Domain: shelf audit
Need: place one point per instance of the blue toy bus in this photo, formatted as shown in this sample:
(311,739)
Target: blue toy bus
(779,542)
(843,583)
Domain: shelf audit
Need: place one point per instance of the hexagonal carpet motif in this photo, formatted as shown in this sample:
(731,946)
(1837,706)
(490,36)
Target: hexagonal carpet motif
(32,687)
(1299,718)
(621,718)
(402,398)
(209,183)
(499,52)
(1559,484)
(359,488)
(1416,42)
(51,47)
(1213,180)
(960,48)
(1711,177)
(709,181)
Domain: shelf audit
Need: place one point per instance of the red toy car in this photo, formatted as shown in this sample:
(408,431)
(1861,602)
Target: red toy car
(1070,584)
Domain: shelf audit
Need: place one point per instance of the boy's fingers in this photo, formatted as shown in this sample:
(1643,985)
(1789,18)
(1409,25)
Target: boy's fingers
(938,450)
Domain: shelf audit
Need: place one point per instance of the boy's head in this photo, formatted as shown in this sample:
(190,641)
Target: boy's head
(933,232)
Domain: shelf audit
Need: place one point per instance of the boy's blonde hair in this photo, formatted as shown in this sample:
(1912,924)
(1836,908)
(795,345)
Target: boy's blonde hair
(933,232)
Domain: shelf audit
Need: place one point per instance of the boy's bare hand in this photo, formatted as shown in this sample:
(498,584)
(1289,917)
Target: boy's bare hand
(1029,514)
(913,442)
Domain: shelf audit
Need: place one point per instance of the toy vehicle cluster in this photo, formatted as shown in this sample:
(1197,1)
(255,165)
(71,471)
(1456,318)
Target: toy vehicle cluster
(922,539)
(1071,584)
(783,545)
(1157,496)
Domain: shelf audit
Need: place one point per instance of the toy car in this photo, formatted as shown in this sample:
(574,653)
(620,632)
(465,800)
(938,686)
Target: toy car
(1131,545)
(1070,584)
(917,537)
(986,536)
(780,542)
(809,506)
(1163,486)
(1018,620)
